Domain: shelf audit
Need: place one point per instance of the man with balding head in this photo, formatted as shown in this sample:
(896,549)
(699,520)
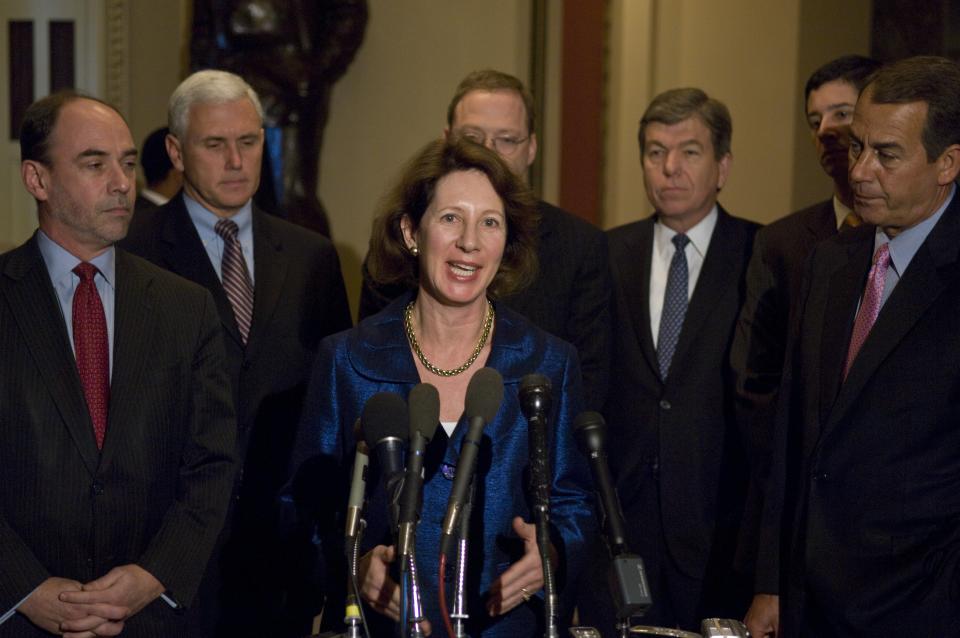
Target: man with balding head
(868,443)
(117,435)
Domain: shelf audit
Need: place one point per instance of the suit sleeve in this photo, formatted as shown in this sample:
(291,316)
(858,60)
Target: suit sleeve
(178,553)
(22,572)
(571,500)
(589,324)
(770,535)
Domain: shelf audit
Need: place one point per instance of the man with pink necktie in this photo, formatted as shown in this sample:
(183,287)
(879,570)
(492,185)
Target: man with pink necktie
(866,489)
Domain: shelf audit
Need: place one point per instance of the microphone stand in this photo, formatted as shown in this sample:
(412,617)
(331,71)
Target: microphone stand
(416,606)
(353,617)
(459,615)
(540,488)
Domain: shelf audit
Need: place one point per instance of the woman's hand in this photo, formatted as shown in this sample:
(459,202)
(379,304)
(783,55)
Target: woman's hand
(524,578)
(376,586)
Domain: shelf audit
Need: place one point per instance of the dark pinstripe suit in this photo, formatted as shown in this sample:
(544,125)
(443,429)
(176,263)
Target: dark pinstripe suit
(157,493)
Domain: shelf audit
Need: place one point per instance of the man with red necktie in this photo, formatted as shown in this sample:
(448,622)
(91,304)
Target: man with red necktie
(116,424)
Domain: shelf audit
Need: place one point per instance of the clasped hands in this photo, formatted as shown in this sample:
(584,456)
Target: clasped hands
(512,588)
(85,610)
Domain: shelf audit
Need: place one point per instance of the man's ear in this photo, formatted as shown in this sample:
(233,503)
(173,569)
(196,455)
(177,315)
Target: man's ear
(948,165)
(36,179)
(175,151)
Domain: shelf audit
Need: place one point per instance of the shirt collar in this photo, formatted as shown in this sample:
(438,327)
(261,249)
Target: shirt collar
(206,220)
(906,244)
(153,196)
(840,210)
(60,262)
(699,235)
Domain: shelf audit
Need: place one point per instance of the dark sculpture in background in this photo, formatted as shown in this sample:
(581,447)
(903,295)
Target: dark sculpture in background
(291,52)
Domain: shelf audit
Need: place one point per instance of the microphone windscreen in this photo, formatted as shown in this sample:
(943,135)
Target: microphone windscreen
(590,431)
(424,402)
(484,394)
(384,415)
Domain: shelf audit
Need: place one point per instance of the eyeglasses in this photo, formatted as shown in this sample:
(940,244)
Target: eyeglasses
(503,144)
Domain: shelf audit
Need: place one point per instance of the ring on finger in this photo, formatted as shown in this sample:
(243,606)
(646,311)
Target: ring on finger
(525,594)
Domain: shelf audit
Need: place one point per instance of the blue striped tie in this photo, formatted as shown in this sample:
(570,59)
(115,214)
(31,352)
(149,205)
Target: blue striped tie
(674,305)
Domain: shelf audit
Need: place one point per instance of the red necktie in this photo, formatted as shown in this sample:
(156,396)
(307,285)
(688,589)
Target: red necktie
(870,306)
(92,348)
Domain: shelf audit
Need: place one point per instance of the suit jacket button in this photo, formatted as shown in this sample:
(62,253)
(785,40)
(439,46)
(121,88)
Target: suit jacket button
(665,404)
(97,488)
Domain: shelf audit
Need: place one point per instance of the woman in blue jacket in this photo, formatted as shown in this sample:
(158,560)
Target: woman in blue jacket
(459,228)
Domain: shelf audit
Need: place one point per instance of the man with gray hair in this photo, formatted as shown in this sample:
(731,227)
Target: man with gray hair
(279,291)
(674,446)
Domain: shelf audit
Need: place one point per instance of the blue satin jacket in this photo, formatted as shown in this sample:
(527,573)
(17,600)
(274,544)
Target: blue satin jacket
(375,357)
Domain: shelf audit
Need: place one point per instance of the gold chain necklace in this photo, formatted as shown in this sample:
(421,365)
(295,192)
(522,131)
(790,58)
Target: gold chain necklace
(408,324)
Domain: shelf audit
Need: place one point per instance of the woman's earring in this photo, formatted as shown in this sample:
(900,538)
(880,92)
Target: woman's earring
(414,250)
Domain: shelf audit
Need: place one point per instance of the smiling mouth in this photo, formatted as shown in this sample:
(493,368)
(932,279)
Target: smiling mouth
(463,270)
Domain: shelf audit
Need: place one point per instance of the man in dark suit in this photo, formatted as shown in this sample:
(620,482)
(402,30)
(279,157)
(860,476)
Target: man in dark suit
(869,408)
(279,291)
(117,428)
(773,286)
(570,297)
(677,288)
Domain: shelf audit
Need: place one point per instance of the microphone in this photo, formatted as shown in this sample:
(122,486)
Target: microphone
(383,419)
(627,578)
(424,403)
(358,486)
(484,395)
(535,396)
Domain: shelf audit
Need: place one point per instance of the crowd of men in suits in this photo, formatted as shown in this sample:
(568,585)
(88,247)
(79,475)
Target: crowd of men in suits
(782,401)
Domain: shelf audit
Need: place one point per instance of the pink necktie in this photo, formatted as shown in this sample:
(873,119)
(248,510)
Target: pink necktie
(870,306)
(92,348)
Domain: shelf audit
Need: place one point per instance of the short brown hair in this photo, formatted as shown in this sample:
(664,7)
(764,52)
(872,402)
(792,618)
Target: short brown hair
(493,80)
(677,105)
(389,260)
(925,78)
(40,119)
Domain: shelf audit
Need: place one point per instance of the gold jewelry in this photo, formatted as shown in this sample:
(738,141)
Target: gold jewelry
(408,324)
(525,594)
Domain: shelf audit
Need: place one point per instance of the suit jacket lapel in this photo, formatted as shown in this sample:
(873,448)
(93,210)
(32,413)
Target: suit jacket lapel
(918,288)
(635,283)
(847,280)
(34,304)
(185,255)
(270,271)
(134,319)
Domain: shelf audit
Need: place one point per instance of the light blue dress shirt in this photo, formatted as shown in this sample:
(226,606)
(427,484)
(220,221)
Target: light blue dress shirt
(904,246)
(60,265)
(205,222)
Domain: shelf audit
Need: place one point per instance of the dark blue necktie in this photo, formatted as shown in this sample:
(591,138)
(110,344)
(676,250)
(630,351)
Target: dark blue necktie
(674,305)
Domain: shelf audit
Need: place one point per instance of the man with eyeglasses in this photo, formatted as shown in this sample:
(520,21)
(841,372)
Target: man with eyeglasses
(570,297)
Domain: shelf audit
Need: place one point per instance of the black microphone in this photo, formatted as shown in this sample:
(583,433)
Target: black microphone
(484,395)
(384,422)
(590,431)
(424,403)
(358,486)
(535,396)
(627,577)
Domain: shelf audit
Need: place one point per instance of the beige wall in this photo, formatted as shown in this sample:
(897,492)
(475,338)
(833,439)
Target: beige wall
(755,56)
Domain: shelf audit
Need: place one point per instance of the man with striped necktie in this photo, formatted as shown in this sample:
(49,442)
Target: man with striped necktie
(279,291)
